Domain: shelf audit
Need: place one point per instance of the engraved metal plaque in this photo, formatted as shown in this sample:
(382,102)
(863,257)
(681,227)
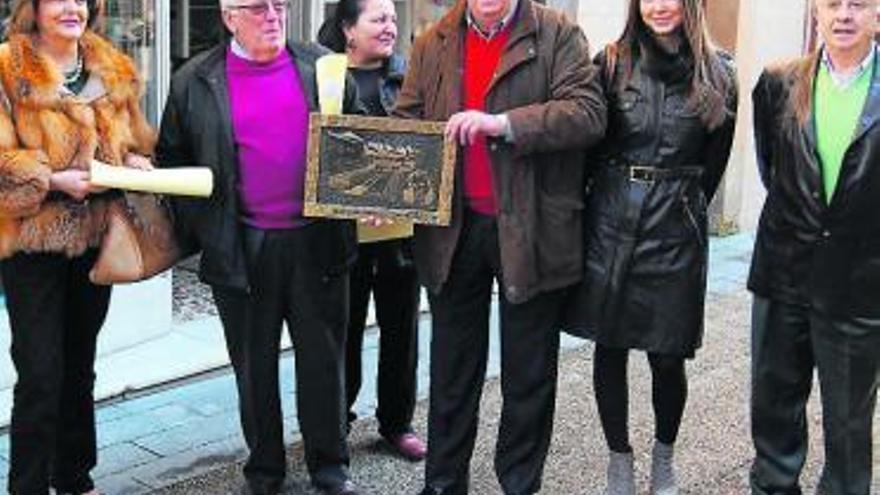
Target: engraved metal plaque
(388,167)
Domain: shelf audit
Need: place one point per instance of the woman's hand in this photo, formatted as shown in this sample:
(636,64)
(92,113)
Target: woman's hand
(73,182)
(140,162)
(376,221)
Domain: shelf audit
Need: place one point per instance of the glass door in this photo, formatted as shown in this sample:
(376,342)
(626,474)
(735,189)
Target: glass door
(132,26)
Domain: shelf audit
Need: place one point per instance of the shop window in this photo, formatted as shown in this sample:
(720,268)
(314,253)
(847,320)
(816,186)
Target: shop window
(196,26)
(131,25)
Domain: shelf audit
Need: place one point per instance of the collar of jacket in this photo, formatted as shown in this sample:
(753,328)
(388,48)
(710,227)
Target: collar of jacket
(803,76)
(525,23)
(520,48)
(34,80)
(498,27)
(393,72)
(212,69)
(395,68)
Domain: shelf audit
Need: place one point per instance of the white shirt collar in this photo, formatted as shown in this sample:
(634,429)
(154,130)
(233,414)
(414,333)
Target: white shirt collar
(497,28)
(845,80)
(239,50)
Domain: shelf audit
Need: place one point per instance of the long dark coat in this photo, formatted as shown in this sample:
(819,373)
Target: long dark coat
(646,235)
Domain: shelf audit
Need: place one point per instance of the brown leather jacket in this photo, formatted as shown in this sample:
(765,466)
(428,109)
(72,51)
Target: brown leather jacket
(550,90)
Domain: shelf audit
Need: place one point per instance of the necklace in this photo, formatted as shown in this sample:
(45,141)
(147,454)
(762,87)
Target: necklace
(74,75)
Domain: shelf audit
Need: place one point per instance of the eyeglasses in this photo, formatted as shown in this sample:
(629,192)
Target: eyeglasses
(854,5)
(262,8)
(78,3)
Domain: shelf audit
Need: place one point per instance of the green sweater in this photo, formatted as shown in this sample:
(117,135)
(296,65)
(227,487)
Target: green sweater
(837,113)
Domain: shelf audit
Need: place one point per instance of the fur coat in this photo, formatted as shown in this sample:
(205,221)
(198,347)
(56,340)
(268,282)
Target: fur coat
(44,129)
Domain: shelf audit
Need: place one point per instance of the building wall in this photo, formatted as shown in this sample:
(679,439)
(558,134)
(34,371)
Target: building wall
(768,31)
(601,20)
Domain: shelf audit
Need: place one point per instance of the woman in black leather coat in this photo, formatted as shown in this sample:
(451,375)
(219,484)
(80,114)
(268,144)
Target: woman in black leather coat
(671,102)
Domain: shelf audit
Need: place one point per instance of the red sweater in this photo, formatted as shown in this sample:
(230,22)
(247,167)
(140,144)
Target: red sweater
(481,58)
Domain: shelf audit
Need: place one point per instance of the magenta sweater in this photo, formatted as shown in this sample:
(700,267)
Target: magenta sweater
(270,123)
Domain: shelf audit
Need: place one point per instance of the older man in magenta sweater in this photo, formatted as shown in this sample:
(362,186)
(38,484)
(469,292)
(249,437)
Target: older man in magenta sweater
(242,109)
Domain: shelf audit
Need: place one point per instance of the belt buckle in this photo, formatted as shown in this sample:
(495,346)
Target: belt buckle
(640,174)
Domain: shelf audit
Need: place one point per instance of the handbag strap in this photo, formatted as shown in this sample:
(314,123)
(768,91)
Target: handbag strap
(610,62)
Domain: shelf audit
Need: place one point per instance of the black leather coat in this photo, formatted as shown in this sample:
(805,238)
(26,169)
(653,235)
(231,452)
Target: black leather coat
(646,223)
(809,252)
(196,130)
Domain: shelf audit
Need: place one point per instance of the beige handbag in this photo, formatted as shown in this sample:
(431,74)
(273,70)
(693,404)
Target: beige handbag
(139,242)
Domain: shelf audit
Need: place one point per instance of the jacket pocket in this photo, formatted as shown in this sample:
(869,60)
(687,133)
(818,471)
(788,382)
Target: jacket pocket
(559,235)
(695,219)
(629,112)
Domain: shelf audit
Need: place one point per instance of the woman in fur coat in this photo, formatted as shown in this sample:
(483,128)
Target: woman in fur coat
(68,97)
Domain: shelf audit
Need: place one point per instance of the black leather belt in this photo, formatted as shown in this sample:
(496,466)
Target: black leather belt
(638,173)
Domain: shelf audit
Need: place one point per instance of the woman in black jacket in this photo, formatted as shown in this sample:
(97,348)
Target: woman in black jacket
(671,102)
(366,30)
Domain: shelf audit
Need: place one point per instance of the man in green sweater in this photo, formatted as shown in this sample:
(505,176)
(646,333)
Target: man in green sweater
(816,268)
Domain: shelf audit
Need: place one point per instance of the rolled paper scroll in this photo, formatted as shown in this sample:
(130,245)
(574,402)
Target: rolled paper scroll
(331,70)
(184,181)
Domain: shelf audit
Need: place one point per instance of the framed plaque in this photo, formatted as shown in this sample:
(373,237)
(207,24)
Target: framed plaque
(394,168)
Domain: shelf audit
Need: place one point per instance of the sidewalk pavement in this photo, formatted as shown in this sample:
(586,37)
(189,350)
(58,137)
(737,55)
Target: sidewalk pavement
(186,439)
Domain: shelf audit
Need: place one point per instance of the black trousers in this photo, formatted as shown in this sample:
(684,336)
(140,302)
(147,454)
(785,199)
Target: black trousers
(55,314)
(459,349)
(287,287)
(383,269)
(788,342)
(668,394)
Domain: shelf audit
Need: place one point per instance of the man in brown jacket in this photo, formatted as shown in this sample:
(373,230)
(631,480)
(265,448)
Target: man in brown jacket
(515,83)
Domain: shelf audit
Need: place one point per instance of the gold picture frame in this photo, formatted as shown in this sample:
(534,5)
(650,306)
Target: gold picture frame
(394,168)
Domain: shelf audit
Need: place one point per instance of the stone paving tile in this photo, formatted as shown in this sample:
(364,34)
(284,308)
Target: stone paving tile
(191,435)
(186,465)
(115,459)
(144,423)
(122,484)
(110,412)
(219,387)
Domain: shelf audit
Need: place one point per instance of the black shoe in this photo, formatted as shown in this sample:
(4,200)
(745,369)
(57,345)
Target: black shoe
(266,489)
(347,487)
(430,490)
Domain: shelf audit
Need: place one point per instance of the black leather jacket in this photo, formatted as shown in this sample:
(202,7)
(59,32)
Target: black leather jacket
(395,71)
(809,252)
(196,130)
(646,224)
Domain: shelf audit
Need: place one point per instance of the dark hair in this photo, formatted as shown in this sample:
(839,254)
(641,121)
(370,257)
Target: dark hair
(23,19)
(346,14)
(710,78)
